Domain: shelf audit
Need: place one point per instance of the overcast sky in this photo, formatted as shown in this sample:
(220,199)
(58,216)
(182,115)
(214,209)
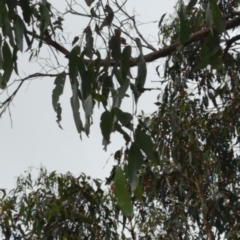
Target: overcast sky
(33,138)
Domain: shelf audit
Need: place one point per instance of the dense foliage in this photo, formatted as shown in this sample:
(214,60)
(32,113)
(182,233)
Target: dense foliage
(178,175)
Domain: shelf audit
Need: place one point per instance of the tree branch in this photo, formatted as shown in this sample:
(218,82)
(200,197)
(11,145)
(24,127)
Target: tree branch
(231,24)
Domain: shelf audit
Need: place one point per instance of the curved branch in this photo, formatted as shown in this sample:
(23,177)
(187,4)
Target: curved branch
(231,24)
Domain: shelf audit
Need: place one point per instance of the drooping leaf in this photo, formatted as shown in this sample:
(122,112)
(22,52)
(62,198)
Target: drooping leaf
(122,194)
(19,28)
(45,18)
(89,42)
(125,62)
(26,10)
(107,85)
(142,67)
(185,30)
(73,64)
(123,117)
(57,92)
(87,83)
(135,161)
(119,129)
(115,47)
(109,18)
(145,143)
(7,31)
(75,107)
(7,64)
(106,127)
(217,17)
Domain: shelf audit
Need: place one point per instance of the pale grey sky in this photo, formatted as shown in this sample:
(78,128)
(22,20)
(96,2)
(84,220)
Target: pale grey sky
(35,139)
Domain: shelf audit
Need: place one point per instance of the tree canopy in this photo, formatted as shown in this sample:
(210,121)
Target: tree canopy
(177,177)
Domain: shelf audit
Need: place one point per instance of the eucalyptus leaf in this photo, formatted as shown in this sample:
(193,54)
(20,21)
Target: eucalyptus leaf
(19,28)
(122,194)
(145,143)
(106,125)
(135,161)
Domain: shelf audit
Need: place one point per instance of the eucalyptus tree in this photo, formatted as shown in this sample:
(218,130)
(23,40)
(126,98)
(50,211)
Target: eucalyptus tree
(178,175)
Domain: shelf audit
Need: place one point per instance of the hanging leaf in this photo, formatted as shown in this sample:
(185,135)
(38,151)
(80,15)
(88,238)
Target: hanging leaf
(144,142)
(26,10)
(142,68)
(123,117)
(75,107)
(107,85)
(57,92)
(135,161)
(108,19)
(106,127)
(185,30)
(125,62)
(89,2)
(89,42)
(19,28)
(115,46)
(7,31)
(7,64)
(87,83)
(45,18)
(122,194)
(217,17)
(73,64)
(119,129)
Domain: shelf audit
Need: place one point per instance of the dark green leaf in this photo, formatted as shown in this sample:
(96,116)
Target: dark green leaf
(122,194)
(89,42)
(123,117)
(217,17)
(185,30)
(107,85)
(135,161)
(106,127)
(142,68)
(45,18)
(19,28)
(75,107)
(109,18)
(7,63)
(7,31)
(119,129)
(125,63)
(26,10)
(115,47)
(144,142)
(73,64)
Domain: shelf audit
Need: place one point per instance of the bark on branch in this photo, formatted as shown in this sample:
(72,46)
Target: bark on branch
(231,24)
